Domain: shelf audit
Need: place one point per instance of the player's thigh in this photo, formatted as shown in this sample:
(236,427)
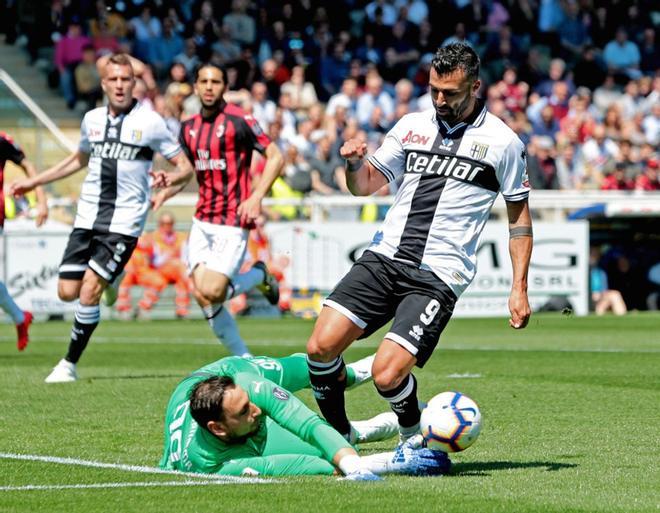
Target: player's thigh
(333,333)
(419,322)
(74,261)
(110,252)
(219,248)
(361,303)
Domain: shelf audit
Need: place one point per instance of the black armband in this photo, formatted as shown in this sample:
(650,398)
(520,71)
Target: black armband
(353,165)
(520,231)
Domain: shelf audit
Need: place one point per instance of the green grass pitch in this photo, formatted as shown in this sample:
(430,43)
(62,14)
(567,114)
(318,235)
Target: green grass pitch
(571,411)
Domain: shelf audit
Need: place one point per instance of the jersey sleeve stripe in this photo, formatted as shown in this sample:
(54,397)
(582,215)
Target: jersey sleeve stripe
(516,197)
(380,167)
(173,153)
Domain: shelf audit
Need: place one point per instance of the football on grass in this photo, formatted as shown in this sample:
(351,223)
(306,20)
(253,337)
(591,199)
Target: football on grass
(451,422)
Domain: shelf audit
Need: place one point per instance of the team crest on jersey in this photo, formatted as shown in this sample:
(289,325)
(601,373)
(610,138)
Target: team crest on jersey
(220,131)
(280,394)
(478,151)
(136,135)
(192,133)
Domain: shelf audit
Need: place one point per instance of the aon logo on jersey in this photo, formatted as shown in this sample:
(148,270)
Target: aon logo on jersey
(442,165)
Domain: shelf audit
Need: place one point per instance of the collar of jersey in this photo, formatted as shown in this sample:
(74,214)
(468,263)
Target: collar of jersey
(126,113)
(474,119)
(223,104)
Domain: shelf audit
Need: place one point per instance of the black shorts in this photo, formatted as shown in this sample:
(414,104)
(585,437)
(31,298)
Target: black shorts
(104,253)
(378,288)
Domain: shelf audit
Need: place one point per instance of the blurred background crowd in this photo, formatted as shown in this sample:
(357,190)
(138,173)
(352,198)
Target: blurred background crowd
(576,79)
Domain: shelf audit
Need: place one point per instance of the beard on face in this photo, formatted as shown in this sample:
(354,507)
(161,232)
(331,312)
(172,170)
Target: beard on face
(451,115)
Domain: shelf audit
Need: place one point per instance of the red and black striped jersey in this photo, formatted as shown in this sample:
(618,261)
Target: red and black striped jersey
(220,149)
(9,150)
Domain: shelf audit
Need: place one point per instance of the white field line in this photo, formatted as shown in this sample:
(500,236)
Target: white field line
(138,484)
(359,344)
(130,468)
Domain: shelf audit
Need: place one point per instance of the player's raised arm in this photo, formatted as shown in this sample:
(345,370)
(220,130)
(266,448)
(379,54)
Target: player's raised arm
(42,203)
(362,179)
(74,162)
(520,248)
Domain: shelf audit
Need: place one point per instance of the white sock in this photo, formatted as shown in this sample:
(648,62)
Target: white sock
(9,306)
(243,282)
(225,328)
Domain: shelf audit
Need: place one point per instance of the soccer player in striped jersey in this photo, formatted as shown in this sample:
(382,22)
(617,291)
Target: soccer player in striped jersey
(453,160)
(219,142)
(238,416)
(11,151)
(117,144)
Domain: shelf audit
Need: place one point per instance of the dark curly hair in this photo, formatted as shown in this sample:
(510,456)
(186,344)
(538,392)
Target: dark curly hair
(457,56)
(206,399)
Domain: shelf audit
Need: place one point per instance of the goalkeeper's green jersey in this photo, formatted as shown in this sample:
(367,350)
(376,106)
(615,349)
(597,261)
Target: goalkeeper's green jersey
(291,440)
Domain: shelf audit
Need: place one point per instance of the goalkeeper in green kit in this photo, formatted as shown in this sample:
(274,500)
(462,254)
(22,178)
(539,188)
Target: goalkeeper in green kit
(238,416)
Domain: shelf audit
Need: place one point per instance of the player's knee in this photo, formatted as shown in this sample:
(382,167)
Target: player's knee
(67,293)
(320,349)
(214,292)
(387,377)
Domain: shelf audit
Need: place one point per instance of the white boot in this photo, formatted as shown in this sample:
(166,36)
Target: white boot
(63,372)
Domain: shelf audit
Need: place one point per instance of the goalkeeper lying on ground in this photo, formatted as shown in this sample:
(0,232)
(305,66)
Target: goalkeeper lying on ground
(251,424)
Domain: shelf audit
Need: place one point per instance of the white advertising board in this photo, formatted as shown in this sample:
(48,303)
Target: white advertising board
(320,254)
(31,262)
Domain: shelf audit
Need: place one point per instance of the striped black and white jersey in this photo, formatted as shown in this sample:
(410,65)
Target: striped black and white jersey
(451,177)
(116,191)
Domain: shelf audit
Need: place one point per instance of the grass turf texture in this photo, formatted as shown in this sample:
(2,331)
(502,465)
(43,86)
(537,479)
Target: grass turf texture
(570,406)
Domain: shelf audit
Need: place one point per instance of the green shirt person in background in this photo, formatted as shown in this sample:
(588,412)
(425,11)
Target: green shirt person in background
(254,425)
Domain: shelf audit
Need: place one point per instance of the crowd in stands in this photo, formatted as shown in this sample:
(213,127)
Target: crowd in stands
(576,79)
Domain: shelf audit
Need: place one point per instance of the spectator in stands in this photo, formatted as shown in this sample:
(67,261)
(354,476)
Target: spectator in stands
(68,53)
(302,92)
(226,50)
(622,56)
(648,49)
(326,169)
(241,26)
(346,98)
(648,180)
(603,298)
(104,41)
(547,125)
(162,50)
(541,165)
(188,57)
(568,173)
(145,28)
(573,31)
(589,70)
(373,97)
(263,108)
(169,248)
(651,125)
(597,152)
(617,180)
(88,81)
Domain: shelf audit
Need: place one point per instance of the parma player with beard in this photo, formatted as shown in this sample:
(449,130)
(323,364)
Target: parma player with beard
(453,160)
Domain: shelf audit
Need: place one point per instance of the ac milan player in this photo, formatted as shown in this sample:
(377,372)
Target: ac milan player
(219,141)
(9,150)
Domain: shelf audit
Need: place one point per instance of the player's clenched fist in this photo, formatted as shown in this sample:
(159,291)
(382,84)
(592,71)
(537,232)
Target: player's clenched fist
(353,149)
